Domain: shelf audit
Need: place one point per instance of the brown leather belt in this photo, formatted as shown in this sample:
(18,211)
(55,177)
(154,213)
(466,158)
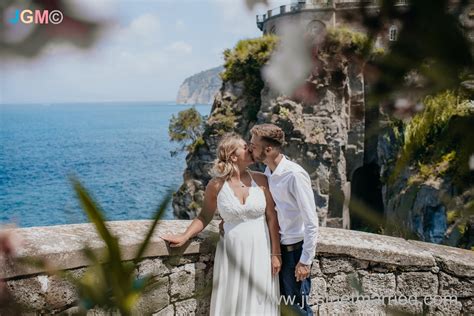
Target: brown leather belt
(292,247)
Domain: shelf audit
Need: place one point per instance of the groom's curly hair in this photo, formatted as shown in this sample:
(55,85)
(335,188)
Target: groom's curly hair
(269,133)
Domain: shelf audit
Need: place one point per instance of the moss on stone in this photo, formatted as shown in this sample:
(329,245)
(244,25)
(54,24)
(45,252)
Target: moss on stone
(340,39)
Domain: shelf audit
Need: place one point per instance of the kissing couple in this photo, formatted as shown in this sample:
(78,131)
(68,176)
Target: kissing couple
(270,227)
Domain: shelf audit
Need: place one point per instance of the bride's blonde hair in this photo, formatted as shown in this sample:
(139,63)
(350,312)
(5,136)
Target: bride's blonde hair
(223,166)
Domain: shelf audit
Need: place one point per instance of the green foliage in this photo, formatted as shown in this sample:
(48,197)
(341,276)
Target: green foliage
(284,112)
(224,120)
(196,144)
(422,136)
(187,129)
(341,38)
(243,64)
(438,144)
(460,213)
(111,285)
(109,282)
(194,206)
(247,57)
(432,170)
(417,49)
(397,128)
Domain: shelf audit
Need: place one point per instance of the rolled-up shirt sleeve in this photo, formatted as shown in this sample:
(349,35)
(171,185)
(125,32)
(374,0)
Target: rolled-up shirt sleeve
(302,191)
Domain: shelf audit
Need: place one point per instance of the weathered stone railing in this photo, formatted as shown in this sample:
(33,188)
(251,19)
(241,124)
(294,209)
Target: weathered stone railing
(391,272)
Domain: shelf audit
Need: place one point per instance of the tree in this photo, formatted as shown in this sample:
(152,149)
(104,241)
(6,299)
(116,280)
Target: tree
(186,129)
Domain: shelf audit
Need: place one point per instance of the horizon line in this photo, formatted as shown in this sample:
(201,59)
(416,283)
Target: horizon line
(97,102)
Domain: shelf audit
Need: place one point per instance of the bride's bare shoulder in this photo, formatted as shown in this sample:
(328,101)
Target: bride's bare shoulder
(214,185)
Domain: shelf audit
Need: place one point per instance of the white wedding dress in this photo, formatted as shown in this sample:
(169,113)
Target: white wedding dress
(243,283)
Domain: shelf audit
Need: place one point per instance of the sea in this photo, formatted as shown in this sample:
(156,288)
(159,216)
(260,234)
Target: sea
(120,151)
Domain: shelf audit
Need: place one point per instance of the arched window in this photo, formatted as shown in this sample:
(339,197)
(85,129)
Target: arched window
(392,33)
(316,30)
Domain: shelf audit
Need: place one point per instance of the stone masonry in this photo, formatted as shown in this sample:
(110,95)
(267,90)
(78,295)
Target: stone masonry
(353,272)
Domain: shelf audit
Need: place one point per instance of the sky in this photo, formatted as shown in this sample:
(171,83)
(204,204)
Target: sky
(145,55)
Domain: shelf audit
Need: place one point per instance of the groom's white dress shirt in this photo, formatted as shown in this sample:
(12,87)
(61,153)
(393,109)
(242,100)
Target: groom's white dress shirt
(290,186)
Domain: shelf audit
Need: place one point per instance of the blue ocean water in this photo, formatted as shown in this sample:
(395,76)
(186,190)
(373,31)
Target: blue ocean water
(119,151)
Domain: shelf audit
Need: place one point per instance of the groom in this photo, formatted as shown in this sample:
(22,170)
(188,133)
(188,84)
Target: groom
(290,186)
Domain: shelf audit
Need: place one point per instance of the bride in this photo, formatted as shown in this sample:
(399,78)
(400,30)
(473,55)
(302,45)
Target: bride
(247,259)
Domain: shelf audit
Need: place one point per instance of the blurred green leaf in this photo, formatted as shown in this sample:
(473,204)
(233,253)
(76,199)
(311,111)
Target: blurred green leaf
(95,216)
(158,215)
(111,285)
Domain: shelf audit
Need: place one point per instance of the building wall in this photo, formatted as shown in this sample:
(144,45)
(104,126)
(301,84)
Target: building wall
(329,16)
(272,25)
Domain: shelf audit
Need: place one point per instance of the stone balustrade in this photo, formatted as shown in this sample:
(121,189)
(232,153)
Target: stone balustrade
(353,272)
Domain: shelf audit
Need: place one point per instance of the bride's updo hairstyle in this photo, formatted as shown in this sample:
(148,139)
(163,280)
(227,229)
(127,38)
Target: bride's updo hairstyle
(223,166)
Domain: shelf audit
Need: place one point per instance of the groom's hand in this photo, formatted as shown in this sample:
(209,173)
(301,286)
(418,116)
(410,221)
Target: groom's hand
(302,271)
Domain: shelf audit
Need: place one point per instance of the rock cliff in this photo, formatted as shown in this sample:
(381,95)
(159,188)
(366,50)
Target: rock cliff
(323,129)
(200,88)
(431,198)
(349,150)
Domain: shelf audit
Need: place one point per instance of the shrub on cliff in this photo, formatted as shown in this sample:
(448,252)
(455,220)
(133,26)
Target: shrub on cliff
(431,142)
(247,57)
(223,120)
(186,129)
(340,39)
(243,63)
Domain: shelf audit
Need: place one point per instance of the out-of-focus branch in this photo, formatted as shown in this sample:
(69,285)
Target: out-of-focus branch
(28,39)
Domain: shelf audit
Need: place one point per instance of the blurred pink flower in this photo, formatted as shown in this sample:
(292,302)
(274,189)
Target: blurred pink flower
(10,242)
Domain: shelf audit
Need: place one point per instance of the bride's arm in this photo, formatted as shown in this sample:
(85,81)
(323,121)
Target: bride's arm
(272,222)
(202,220)
(274,229)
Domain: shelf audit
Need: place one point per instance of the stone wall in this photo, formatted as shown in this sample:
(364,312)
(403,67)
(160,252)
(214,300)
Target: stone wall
(412,276)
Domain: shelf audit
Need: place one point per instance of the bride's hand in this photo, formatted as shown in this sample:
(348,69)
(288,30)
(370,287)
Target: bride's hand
(175,240)
(276,264)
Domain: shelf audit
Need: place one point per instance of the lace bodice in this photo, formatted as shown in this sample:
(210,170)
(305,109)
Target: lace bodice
(232,210)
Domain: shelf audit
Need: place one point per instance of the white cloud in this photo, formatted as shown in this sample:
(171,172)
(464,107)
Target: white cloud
(142,56)
(146,28)
(179,47)
(145,25)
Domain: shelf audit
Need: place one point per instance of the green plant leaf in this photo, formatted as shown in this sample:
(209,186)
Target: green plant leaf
(158,215)
(94,214)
